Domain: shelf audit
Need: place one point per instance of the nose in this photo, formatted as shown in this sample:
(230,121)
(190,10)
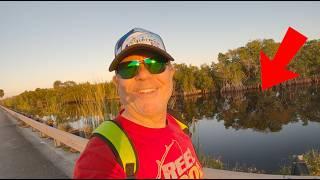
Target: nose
(143,73)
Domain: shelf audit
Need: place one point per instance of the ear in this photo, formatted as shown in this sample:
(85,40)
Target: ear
(115,80)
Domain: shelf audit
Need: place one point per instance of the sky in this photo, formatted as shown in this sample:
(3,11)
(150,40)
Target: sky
(41,42)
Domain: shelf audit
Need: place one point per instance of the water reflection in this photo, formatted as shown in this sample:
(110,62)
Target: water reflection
(254,129)
(262,112)
(247,147)
(259,111)
(259,129)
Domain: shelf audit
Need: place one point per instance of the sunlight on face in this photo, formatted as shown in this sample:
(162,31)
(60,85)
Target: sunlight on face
(146,94)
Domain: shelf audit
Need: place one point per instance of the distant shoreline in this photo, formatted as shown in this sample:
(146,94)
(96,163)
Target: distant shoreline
(234,89)
(295,82)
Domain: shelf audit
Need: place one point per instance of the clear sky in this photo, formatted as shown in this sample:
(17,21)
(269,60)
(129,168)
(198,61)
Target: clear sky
(41,42)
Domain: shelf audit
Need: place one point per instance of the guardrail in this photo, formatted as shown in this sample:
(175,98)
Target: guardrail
(79,144)
(59,136)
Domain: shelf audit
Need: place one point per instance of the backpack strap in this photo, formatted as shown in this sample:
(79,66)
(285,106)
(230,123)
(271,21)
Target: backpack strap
(120,144)
(182,126)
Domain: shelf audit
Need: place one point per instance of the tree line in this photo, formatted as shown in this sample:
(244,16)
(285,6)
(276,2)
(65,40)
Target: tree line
(238,68)
(48,101)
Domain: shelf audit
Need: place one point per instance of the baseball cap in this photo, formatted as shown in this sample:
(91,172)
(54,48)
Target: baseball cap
(138,39)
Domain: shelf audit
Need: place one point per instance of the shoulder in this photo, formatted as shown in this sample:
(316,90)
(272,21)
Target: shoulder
(96,146)
(97,161)
(178,124)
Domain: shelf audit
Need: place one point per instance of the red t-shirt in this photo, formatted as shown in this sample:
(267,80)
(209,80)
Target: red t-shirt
(162,153)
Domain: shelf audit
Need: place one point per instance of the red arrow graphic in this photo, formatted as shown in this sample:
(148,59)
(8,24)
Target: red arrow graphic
(274,72)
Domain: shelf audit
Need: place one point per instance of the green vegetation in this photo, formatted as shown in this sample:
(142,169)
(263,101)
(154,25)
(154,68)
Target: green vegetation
(240,68)
(210,161)
(312,159)
(263,112)
(216,163)
(285,170)
(235,69)
(190,79)
(87,98)
(245,168)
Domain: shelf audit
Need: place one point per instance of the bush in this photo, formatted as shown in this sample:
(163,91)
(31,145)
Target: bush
(312,159)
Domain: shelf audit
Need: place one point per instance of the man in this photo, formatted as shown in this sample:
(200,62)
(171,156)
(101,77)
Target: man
(144,141)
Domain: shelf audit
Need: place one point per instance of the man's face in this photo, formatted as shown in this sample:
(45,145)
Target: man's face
(146,94)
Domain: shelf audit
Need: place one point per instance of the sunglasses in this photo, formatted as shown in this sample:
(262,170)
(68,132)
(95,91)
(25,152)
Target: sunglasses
(129,69)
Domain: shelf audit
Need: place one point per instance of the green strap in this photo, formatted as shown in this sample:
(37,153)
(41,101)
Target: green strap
(182,126)
(112,132)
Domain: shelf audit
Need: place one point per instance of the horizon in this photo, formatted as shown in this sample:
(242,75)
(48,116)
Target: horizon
(42,42)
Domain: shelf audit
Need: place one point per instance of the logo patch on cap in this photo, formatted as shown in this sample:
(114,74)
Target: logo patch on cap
(136,39)
(139,36)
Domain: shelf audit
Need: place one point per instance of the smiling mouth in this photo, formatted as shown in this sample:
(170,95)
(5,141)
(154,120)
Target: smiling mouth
(147,91)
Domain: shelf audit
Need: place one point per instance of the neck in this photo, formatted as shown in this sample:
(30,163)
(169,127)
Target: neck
(158,121)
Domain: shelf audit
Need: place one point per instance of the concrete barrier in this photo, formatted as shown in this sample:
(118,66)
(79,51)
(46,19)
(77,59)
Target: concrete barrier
(59,136)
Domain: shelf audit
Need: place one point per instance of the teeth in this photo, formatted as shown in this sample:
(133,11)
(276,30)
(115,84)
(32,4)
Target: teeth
(146,90)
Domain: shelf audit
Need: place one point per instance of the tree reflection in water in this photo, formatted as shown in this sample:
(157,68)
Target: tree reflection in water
(261,111)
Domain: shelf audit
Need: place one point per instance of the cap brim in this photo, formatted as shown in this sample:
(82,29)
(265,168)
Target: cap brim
(133,48)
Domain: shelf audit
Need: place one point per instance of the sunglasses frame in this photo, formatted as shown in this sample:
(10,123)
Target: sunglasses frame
(156,58)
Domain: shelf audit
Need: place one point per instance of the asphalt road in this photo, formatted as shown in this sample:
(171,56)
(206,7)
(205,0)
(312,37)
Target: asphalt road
(19,158)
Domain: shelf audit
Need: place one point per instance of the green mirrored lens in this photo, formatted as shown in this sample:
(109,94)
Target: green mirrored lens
(128,69)
(155,65)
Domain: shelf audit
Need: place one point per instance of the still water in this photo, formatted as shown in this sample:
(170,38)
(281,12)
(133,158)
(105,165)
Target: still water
(251,129)
(259,130)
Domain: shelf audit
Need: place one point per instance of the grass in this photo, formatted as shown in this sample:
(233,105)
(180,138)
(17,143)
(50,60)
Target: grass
(245,168)
(210,161)
(285,170)
(312,159)
(92,103)
(216,163)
